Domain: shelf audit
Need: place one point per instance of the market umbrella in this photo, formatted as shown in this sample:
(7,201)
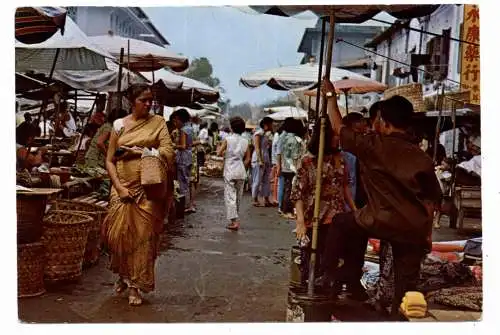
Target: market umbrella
(143,56)
(355,86)
(171,95)
(38,24)
(174,80)
(71,51)
(304,76)
(342,13)
(283,112)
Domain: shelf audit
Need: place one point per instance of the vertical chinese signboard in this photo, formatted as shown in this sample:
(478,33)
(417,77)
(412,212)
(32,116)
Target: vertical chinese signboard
(470,70)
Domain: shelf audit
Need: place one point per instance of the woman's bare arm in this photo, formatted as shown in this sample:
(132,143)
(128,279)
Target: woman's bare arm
(222,149)
(258,149)
(182,141)
(248,157)
(101,141)
(110,162)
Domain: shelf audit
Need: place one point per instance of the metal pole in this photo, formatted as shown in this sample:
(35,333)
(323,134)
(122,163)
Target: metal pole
(320,66)
(319,172)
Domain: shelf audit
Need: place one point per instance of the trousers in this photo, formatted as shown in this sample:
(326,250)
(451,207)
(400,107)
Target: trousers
(261,180)
(233,192)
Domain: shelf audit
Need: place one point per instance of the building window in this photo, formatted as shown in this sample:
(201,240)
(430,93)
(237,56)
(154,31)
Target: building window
(71,12)
(439,50)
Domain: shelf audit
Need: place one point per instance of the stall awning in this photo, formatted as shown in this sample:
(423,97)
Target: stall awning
(38,24)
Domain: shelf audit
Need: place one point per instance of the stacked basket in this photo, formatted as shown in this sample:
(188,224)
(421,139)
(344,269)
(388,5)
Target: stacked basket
(97,213)
(65,237)
(30,251)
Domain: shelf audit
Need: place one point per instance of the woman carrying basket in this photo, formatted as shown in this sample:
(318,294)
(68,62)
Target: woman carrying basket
(131,229)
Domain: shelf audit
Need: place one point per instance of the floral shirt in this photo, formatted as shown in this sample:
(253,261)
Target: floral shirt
(291,152)
(332,188)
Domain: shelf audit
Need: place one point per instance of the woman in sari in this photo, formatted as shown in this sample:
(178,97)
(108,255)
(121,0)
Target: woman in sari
(131,229)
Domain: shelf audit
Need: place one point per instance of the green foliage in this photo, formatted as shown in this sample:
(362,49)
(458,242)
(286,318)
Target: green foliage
(201,70)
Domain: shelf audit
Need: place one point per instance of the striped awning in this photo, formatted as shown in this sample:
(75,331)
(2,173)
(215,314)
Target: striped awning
(38,24)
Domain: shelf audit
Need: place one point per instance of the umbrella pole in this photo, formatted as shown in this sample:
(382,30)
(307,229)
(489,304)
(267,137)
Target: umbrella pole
(320,66)
(119,84)
(319,172)
(128,62)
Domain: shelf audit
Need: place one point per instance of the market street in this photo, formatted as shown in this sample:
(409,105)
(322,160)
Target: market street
(204,273)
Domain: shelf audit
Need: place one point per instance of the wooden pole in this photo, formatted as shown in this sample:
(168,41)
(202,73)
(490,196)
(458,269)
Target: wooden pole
(320,66)
(119,84)
(438,124)
(319,172)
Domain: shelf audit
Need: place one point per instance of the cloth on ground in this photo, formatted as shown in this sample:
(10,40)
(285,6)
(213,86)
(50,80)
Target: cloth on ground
(458,297)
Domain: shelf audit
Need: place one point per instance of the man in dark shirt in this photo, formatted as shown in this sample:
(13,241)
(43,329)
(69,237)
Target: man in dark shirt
(402,192)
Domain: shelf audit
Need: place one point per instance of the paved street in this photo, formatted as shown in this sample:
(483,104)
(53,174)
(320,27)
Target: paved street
(205,273)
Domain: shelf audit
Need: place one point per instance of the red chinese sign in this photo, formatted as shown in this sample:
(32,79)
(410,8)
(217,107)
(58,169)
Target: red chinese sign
(470,70)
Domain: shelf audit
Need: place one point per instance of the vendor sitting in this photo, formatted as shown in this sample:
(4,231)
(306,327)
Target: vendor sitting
(27,157)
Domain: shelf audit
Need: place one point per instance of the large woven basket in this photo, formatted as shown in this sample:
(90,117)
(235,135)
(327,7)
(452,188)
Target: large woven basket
(412,92)
(30,211)
(30,265)
(65,236)
(97,213)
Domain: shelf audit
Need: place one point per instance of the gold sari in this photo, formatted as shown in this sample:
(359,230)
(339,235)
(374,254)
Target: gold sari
(132,228)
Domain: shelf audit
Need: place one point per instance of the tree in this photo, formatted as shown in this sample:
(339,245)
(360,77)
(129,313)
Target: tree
(283,101)
(201,70)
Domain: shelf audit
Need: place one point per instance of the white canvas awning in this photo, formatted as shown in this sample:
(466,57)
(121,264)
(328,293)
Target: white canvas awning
(144,56)
(76,53)
(100,81)
(295,77)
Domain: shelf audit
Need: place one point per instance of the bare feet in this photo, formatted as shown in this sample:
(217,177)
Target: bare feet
(134,298)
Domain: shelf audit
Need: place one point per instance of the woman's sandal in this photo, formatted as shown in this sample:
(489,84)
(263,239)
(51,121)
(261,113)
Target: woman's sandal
(134,299)
(258,204)
(233,226)
(120,286)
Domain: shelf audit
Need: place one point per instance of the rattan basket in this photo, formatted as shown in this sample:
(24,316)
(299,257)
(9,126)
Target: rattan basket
(412,92)
(65,236)
(30,210)
(97,213)
(30,265)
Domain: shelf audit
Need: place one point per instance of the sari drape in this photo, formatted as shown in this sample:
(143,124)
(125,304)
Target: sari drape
(131,229)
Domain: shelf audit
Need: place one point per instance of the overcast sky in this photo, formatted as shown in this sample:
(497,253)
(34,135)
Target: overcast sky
(235,42)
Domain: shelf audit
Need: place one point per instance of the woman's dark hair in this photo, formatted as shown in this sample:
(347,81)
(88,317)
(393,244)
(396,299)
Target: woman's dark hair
(313,146)
(115,114)
(397,111)
(203,125)
(90,129)
(135,90)
(295,127)
(266,120)
(288,125)
(183,115)
(237,125)
(351,119)
(214,127)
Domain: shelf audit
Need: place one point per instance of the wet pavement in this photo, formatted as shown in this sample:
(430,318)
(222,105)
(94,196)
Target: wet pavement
(205,273)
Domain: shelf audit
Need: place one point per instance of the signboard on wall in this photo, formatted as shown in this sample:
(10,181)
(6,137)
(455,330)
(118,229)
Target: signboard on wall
(470,69)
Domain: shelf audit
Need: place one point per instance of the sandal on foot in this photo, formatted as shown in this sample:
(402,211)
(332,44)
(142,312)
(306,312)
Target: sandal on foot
(257,204)
(120,286)
(233,226)
(134,299)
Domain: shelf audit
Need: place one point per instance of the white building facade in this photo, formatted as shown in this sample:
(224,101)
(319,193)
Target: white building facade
(129,22)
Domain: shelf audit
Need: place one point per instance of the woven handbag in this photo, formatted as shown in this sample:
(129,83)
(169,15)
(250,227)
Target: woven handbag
(154,177)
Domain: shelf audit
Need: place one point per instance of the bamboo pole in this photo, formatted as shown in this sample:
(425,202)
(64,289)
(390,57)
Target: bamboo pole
(346,102)
(319,172)
(320,66)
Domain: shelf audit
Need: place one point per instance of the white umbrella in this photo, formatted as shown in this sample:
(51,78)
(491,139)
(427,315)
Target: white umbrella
(172,79)
(304,76)
(99,81)
(76,52)
(283,112)
(144,56)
